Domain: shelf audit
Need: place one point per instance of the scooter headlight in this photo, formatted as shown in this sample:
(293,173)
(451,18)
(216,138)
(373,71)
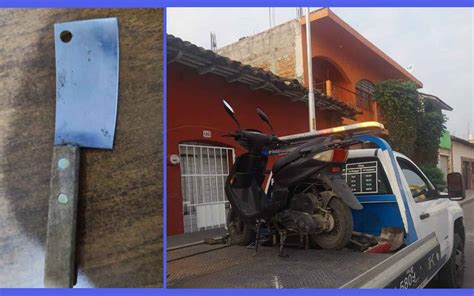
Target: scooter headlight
(324,156)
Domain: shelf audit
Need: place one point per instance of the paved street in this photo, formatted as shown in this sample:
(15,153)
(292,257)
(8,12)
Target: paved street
(468,208)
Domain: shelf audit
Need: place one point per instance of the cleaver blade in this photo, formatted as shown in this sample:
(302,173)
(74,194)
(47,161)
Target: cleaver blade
(87,73)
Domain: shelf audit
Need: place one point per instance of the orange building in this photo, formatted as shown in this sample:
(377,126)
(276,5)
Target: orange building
(345,64)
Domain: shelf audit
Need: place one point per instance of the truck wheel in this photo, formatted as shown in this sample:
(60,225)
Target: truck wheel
(240,233)
(452,273)
(341,233)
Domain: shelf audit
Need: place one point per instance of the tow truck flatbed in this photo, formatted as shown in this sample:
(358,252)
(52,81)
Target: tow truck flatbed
(240,267)
(224,266)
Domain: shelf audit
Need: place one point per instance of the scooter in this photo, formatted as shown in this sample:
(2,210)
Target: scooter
(307,195)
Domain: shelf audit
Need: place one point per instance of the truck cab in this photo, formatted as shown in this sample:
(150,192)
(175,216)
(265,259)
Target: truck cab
(416,206)
(395,193)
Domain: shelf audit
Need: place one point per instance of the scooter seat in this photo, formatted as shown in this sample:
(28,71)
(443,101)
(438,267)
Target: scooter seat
(294,155)
(280,163)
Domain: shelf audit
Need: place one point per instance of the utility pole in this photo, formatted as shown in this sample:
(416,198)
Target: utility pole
(271,17)
(213,41)
(299,12)
(309,55)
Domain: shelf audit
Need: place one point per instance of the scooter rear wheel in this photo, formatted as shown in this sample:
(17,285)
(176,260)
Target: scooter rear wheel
(341,232)
(240,233)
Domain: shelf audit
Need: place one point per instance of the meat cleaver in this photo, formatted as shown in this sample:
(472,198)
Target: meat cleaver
(87,73)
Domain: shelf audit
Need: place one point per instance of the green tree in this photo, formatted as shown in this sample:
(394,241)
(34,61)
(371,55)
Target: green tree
(435,175)
(430,127)
(415,125)
(400,105)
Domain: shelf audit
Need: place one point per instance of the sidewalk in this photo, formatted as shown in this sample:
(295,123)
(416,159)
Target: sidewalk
(189,238)
(469,197)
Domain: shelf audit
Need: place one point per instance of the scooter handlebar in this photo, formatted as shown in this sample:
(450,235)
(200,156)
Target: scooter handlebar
(281,142)
(257,139)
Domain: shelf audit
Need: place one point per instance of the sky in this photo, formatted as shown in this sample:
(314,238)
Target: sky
(438,42)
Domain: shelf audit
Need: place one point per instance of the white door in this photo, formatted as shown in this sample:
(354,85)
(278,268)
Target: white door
(432,213)
(204,170)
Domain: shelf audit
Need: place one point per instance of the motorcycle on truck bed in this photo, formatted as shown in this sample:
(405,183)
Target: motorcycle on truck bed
(309,196)
(403,231)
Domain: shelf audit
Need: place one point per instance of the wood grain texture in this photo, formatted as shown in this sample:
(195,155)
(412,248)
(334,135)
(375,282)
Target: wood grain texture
(119,234)
(59,271)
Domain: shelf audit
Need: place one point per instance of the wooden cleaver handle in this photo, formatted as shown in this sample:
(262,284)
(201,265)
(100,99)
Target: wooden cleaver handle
(61,232)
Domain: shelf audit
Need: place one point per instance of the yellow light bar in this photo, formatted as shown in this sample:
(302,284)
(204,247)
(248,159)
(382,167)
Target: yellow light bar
(369,127)
(356,128)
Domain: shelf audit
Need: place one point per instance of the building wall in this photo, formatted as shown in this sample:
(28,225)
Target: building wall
(195,104)
(282,50)
(461,152)
(444,161)
(278,50)
(352,67)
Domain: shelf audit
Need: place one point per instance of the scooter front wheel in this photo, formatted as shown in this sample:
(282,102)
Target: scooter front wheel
(240,233)
(341,232)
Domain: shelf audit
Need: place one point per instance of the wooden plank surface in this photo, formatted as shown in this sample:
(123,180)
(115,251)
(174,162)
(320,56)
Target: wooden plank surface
(119,234)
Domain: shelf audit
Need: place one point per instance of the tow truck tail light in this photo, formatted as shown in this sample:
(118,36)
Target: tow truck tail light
(334,155)
(340,155)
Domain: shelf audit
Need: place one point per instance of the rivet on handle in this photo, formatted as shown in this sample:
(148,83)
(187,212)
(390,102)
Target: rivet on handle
(63,163)
(63,198)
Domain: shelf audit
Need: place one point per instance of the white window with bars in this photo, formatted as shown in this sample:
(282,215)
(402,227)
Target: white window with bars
(204,170)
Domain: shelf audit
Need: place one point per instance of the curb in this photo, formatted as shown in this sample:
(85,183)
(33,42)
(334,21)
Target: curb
(466,201)
(192,244)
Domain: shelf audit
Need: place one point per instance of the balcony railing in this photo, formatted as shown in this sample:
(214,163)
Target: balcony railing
(362,102)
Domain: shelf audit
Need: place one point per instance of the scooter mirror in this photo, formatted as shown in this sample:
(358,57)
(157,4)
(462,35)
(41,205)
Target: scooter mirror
(264,118)
(228,108)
